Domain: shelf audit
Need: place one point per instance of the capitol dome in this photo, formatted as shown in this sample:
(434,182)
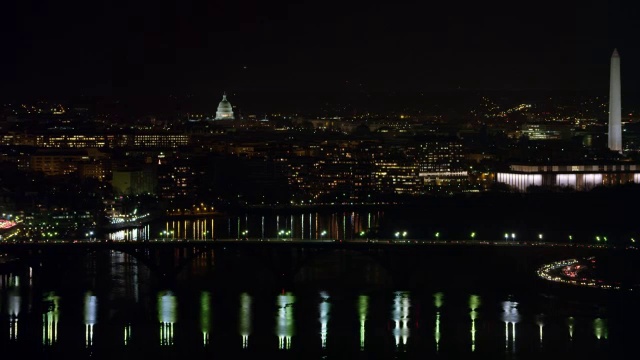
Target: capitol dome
(225,112)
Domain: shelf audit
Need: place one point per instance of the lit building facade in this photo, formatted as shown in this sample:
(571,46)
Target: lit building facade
(578,177)
(442,167)
(225,110)
(85,141)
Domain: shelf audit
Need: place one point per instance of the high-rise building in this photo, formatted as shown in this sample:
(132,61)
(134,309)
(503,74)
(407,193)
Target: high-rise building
(615,106)
(225,111)
(442,167)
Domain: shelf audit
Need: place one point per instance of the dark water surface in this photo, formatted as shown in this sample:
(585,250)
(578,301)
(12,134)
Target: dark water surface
(108,305)
(467,303)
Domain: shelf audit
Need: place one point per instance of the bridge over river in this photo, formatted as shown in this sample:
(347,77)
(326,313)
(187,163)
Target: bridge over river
(283,262)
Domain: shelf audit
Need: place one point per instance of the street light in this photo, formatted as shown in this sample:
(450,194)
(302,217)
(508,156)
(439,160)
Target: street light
(397,234)
(473,235)
(506,236)
(437,235)
(540,236)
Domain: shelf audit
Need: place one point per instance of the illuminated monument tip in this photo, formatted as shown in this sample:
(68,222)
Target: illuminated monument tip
(225,111)
(615,105)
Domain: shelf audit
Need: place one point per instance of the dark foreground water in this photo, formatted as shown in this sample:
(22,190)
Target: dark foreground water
(110,306)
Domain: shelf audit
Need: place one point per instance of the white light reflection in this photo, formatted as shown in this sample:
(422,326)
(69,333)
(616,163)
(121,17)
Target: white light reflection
(205,316)
(400,316)
(437,301)
(510,315)
(325,307)
(50,319)
(166,316)
(540,322)
(245,319)
(90,317)
(363,308)
(570,324)
(13,308)
(284,322)
(474,303)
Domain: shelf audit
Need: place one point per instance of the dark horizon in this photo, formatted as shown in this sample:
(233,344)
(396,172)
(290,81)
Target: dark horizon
(148,49)
(245,103)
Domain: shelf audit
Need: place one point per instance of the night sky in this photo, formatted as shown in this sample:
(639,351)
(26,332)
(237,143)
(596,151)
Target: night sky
(120,48)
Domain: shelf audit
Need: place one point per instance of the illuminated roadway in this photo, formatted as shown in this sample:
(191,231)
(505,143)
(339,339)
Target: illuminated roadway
(325,243)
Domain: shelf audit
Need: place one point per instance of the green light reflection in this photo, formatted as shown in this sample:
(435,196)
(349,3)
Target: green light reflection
(474,303)
(363,309)
(127,334)
(205,316)
(600,328)
(50,319)
(244,326)
(438,301)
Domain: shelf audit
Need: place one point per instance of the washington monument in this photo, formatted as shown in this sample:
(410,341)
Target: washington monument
(615,107)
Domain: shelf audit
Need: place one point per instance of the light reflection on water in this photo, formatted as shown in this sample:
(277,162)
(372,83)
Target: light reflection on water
(167,316)
(325,307)
(400,317)
(344,225)
(511,317)
(283,320)
(363,310)
(244,324)
(90,316)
